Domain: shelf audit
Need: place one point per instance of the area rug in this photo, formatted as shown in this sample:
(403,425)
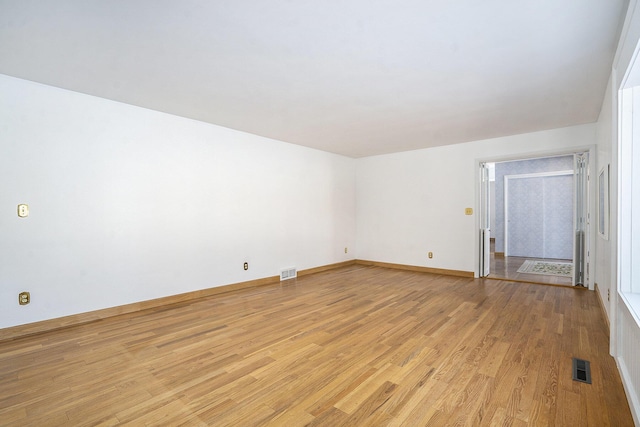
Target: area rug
(564,269)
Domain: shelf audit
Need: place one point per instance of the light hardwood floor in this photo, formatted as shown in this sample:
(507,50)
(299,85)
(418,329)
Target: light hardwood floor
(507,268)
(353,346)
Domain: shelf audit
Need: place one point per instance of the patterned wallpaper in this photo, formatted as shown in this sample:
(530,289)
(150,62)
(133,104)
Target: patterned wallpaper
(543,230)
(540,217)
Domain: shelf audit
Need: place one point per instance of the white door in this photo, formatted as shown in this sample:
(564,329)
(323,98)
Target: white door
(485,222)
(581,221)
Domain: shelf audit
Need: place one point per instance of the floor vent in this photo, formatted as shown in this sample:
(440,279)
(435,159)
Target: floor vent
(581,370)
(288,273)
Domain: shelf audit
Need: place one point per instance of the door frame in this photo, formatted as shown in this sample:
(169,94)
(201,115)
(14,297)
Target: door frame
(590,225)
(485,222)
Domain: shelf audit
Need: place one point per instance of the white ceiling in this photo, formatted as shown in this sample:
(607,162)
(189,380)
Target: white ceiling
(355,77)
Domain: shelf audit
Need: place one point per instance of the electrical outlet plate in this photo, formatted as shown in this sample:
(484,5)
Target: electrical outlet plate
(24,298)
(246,265)
(23,210)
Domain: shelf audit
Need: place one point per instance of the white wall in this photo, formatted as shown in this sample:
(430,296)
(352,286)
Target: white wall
(129,204)
(413,202)
(625,331)
(603,247)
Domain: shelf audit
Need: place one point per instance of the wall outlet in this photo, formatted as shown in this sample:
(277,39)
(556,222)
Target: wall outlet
(430,254)
(24,298)
(346,250)
(608,294)
(246,266)
(23,210)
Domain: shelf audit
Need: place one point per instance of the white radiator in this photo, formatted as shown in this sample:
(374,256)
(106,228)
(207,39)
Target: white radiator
(485,250)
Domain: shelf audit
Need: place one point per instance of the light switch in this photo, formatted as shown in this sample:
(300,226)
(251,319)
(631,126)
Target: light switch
(468,211)
(23,210)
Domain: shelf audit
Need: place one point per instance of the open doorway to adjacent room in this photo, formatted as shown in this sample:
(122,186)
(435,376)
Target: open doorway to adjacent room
(533,220)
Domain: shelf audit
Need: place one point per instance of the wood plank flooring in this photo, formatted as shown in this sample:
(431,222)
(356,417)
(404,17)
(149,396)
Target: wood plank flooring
(506,268)
(358,346)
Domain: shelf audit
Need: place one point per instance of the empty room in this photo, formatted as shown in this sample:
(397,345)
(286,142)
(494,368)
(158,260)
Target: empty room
(296,213)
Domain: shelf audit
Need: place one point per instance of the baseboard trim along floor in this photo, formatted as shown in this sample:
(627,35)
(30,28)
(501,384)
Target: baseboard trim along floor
(92,316)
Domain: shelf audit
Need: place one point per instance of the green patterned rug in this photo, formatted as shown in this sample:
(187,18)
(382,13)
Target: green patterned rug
(564,269)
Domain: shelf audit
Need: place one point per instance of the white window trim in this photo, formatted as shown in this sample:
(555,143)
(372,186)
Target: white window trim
(629,200)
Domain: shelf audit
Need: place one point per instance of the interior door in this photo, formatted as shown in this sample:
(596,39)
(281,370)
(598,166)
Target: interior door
(485,222)
(581,235)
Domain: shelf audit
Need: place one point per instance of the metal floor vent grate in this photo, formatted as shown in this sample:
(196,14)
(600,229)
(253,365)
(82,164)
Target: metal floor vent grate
(288,273)
(581,370)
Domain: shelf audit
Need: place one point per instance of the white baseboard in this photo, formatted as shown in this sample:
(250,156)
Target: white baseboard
(632,395)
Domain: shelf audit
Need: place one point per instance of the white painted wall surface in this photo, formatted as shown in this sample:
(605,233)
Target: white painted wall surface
(602,257)
(413,202)
(129,204)
(625,331)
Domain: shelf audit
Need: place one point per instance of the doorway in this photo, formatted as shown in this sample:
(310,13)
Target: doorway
(532,220)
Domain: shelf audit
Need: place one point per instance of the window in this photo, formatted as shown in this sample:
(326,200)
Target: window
(629,193)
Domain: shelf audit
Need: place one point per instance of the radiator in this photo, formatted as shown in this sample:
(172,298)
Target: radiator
(578,259)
